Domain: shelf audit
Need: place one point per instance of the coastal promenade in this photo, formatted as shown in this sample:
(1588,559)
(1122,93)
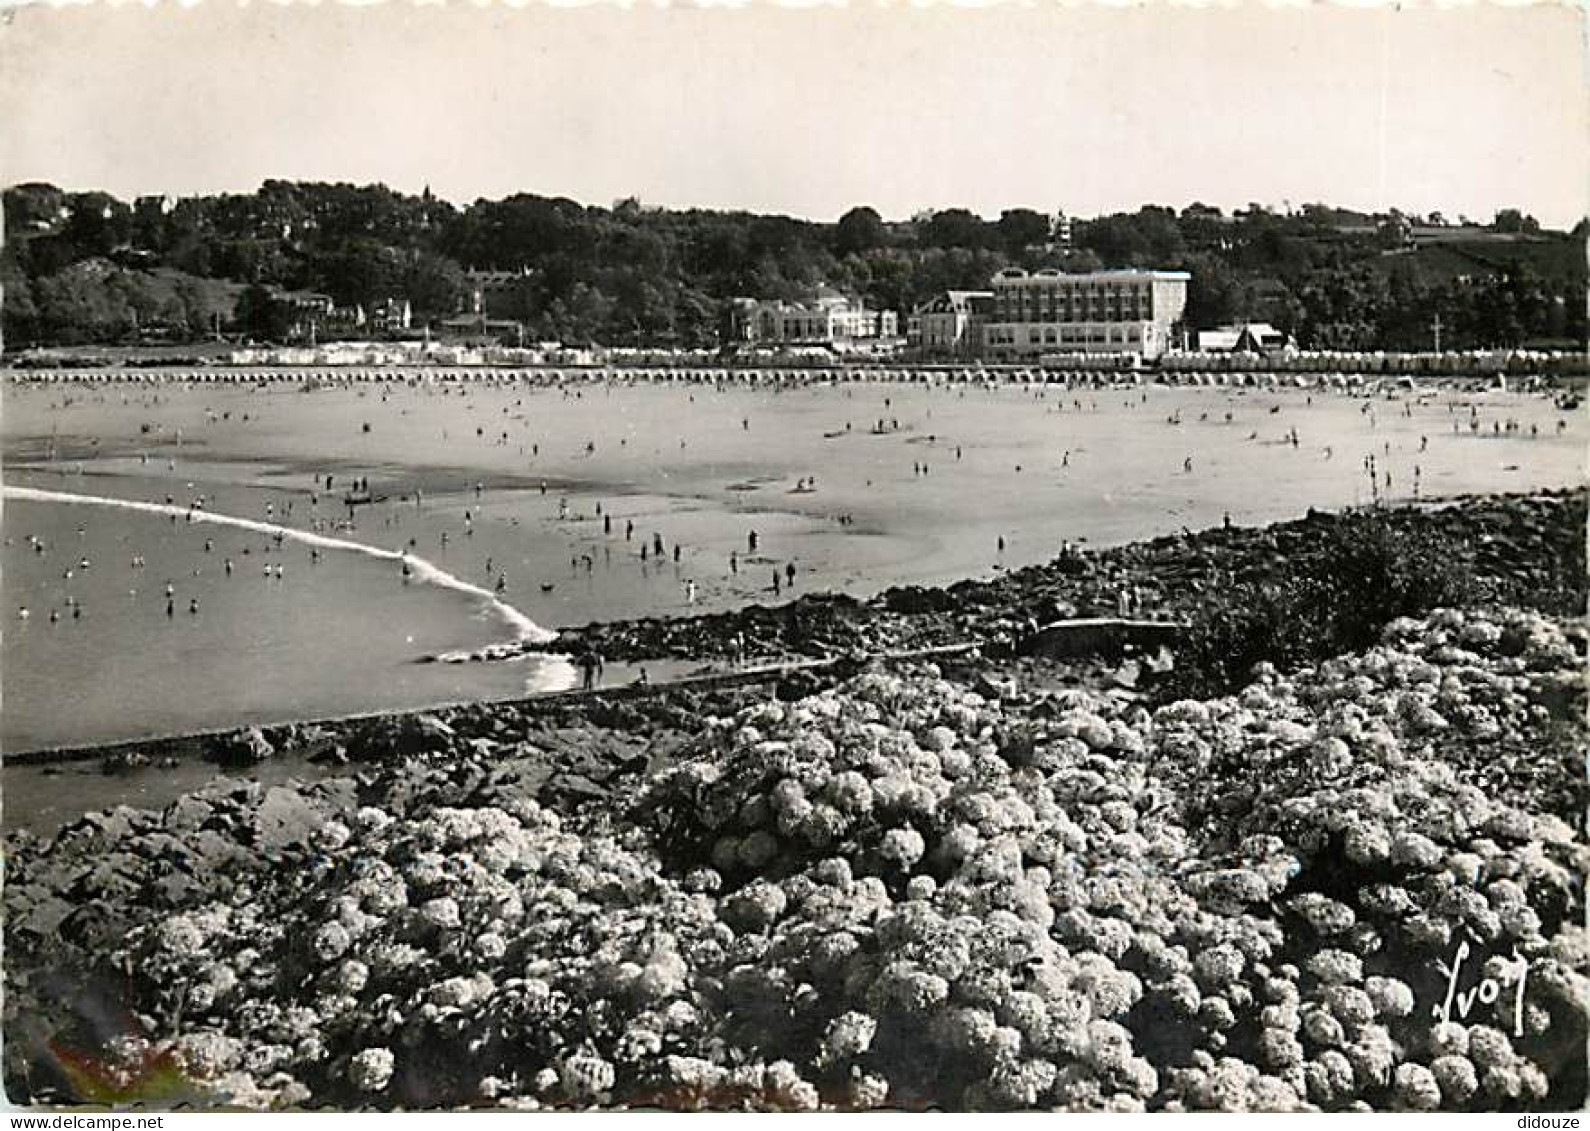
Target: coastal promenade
(1313,369)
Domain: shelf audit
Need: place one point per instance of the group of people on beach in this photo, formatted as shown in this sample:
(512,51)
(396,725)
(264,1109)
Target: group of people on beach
(1382,478)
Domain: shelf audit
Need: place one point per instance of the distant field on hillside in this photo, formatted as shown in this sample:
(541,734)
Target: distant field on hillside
(1559,258)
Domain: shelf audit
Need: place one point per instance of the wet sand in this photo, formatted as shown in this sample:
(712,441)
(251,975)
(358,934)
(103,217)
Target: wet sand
(858,487)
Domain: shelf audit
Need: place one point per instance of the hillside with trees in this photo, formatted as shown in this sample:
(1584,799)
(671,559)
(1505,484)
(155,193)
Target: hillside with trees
(83,267)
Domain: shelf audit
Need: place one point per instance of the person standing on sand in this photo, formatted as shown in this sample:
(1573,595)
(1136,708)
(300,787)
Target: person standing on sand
(789,574)
(751,541)
(734,561)
(777,582)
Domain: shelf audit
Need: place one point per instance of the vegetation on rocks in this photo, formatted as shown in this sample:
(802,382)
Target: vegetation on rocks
(926,888)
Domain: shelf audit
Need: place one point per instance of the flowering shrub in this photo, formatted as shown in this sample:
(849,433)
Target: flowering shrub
(899,892)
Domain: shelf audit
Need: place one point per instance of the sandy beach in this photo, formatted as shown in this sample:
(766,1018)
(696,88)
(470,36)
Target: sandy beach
(555,500)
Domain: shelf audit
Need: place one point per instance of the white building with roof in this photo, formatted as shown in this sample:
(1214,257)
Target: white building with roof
(944,325)
(1246,337)
(827,319)
(1053,312)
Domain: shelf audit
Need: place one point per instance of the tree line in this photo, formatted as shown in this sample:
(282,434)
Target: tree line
(86,266)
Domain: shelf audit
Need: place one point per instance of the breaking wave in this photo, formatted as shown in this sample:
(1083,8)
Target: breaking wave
(526,629)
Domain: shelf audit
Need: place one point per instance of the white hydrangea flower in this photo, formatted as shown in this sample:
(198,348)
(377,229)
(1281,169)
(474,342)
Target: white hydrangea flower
(441,912)
(1335,967)
(848,1036)
(330,941)
(371,1070)
(585,1077)
(902,847)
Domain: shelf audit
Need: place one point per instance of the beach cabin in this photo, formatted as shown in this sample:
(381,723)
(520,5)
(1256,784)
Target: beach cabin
(1259,338)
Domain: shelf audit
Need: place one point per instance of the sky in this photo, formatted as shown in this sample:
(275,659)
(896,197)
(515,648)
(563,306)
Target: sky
(807,112)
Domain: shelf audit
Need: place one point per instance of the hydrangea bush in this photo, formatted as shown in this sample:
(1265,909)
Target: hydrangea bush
(902,892)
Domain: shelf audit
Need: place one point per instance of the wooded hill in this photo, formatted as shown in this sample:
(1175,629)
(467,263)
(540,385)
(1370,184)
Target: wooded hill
(86,267)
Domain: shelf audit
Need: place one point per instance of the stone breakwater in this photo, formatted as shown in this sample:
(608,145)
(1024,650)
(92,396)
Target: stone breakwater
(959,887)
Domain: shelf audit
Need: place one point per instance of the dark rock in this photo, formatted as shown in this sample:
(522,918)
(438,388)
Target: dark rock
(187,812)
(334,755)
(124,761)
(575,788)
(246,747)
(401,736)
(285,818)
(914,599)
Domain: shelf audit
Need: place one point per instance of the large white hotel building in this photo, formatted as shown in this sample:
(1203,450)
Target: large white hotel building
(1051,312)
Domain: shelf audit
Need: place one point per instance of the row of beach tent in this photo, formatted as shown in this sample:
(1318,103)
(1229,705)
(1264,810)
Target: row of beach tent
(309,378)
